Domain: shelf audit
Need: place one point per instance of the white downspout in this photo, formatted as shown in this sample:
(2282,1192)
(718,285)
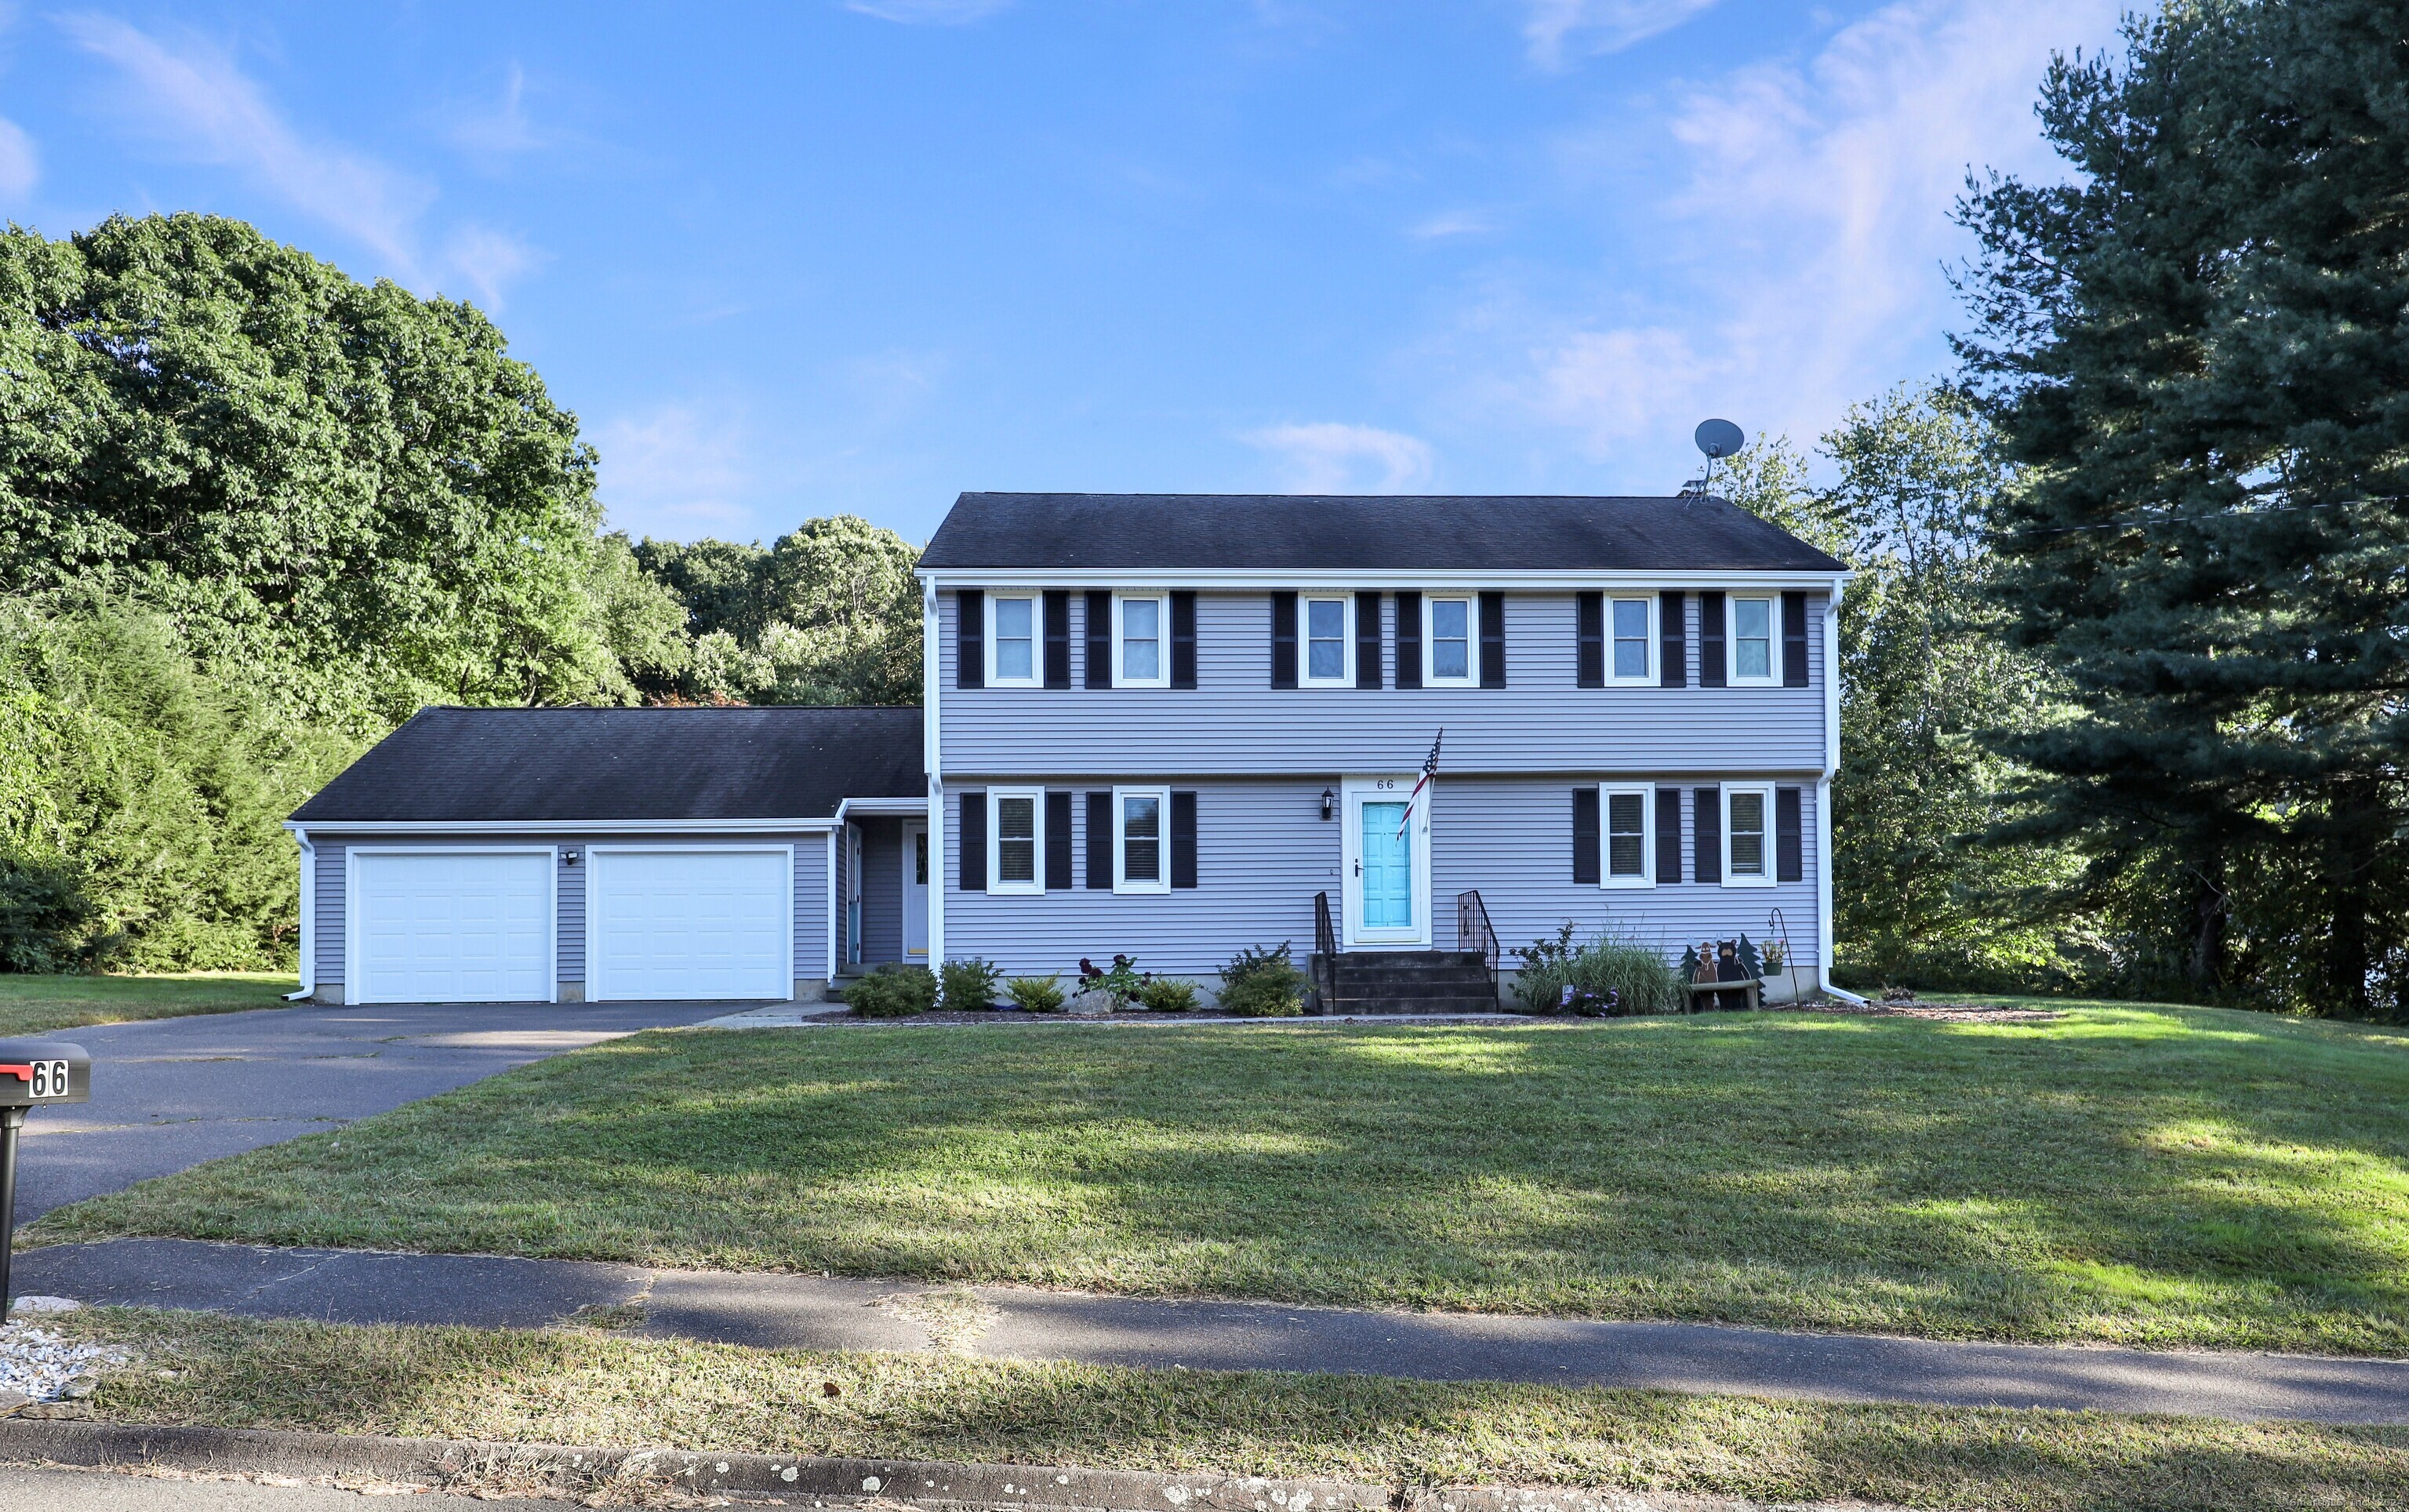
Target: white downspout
(1824,800)
(931,763)
(308,917)
(835,838)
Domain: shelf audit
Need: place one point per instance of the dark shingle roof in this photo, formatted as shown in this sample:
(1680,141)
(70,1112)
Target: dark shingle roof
(1273,532)
(475,764)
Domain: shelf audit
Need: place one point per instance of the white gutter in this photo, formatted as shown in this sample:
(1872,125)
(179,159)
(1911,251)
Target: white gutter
(308,916)
(1824,802)
(1512,579)
(568,826)
(931,764)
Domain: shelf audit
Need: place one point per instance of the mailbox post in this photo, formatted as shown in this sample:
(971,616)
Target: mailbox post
(33,1073)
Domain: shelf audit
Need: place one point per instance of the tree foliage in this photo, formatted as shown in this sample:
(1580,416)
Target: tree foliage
(2193,352)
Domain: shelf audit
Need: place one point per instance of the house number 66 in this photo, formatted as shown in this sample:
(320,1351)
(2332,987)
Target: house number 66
(1385,783)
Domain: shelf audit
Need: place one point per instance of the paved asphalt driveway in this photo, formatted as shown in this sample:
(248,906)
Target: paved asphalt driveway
(173,1093)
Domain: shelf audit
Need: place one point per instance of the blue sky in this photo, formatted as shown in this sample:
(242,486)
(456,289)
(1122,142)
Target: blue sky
(857,255)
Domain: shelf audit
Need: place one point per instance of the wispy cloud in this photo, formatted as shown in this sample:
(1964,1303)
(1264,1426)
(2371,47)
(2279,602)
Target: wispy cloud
(1451,223)
(1328,458)
(489,259)
(194,100)
(928,12)
(1799,254)
(1555,28)
(677,469)
(20,165)
(503,129)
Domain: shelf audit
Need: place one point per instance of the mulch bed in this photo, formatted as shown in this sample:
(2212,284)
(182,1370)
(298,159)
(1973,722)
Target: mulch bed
(1950,1012)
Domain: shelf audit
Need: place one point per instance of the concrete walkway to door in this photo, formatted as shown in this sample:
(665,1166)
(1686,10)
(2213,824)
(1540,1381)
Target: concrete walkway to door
(169,1093)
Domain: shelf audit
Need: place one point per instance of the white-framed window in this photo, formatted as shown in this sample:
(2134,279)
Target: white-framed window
(1752,621)
(1451,642)
(1141,640)
(1747,834)
(1631,639)
(1141,840)
(1015,840)
(1627,826)
(1013,624)
(1329,635)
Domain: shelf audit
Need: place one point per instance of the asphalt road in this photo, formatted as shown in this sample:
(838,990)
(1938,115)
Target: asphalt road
(170,1093)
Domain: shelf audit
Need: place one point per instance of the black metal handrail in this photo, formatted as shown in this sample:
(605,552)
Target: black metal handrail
(1325,952)
(1473,931)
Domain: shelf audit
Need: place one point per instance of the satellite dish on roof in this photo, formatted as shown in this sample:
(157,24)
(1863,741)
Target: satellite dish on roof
(1718,438)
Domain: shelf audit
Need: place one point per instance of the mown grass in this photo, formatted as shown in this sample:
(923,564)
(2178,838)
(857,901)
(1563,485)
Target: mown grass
(2152,1176)
(37,1004)
(583,1387)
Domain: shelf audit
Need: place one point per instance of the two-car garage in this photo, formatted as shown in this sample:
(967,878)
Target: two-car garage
(479,924)
(560,855)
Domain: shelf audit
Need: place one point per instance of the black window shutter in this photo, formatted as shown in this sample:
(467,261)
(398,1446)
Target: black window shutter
(1058,638)
(1673,640)
(1368,640)
(1283,639)
(1100,637)
(1590,669)
(1409,640)
(1183,840)
(1711,641)
(1794,640)
(1585,835)
(970,638)
(1706,824)
(971,845)
(1183,638)
(1099,841)
(1492,639)
(1057,842)
(1669,834)
(1789,845)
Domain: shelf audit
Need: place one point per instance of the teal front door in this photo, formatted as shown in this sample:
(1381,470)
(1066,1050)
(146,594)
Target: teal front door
(1388,882)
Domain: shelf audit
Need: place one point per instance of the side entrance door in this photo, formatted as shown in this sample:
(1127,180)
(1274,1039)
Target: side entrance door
(1387,874)
(915,890)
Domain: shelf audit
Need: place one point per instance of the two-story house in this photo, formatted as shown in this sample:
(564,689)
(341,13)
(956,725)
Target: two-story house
(1166,725)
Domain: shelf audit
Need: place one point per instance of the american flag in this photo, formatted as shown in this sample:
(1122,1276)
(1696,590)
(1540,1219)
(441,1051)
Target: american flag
(1430,769)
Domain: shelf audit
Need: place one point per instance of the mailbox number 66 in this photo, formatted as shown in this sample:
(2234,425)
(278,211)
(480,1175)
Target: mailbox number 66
(49,1079)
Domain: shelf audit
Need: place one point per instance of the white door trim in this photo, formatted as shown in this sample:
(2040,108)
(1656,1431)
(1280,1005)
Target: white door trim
(1383,788)
(597,989)
(355,984)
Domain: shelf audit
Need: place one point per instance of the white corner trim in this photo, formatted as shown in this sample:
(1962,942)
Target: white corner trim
(932,768)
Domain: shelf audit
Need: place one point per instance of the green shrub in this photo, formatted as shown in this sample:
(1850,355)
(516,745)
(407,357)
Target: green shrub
(893,991)
(1166,995)
(1609,973)
(1038,994)
(1262,983)
(967,984)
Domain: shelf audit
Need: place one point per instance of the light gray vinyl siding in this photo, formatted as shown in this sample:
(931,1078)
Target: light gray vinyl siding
(811,891)
(1264,851)
(1234,722)
(1512,841)
(882,889)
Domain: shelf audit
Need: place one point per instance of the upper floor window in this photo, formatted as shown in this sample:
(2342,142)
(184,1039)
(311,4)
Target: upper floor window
(1011,640)
(1451,647)
(1747,820)
(1014,841)
(1141,815)
(1139,627)
(1632,624)
(1752,621)
(1329,645)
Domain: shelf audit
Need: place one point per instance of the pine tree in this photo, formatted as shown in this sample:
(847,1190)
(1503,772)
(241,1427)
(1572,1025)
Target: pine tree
(2195,352)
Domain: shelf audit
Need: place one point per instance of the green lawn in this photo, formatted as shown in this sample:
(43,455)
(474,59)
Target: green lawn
(581,1387)
(2142,1175)
(36,1005)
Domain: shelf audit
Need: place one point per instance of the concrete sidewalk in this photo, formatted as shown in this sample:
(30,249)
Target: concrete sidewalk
(1024,1323)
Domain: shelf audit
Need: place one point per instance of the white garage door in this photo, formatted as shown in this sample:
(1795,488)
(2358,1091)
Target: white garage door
(690,924)
(453,927)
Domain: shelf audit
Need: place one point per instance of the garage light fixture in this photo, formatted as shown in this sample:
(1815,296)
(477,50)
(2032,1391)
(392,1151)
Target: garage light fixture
(569,856)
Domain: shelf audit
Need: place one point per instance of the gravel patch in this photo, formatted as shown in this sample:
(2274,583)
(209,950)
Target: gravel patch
(38,1365)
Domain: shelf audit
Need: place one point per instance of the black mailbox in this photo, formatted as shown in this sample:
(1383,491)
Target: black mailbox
(34,1073)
